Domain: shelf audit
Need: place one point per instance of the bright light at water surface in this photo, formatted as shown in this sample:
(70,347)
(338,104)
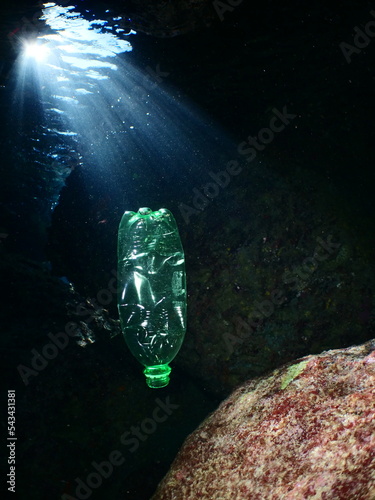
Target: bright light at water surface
(78,41)
(36,50)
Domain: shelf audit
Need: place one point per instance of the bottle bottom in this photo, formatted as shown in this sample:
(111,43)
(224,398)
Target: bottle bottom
(157,376)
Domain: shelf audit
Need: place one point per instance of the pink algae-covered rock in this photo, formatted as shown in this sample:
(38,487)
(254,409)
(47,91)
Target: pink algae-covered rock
(307,431)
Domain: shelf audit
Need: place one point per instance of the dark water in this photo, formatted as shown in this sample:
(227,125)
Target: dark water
(153,133)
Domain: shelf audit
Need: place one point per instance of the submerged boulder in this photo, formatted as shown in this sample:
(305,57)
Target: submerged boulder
(306,431)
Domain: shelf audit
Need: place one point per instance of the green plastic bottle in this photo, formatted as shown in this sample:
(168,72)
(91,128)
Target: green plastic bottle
(152,303)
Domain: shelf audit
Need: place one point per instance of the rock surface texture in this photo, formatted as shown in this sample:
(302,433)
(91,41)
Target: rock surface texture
(307,431)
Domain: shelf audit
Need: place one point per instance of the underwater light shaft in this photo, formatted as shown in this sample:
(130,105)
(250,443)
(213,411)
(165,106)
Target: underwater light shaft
(125,123)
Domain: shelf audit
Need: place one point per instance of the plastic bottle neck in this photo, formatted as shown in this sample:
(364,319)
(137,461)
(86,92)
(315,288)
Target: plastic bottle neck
(157,376)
